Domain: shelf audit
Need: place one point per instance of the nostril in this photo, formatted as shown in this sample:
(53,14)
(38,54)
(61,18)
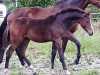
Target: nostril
(91,34)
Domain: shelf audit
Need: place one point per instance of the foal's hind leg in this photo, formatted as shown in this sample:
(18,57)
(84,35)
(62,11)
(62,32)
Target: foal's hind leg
(54,50)
(21,49)
(21,54)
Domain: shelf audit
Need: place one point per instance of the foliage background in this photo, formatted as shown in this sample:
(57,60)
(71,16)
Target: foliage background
(28,3)
(34,3)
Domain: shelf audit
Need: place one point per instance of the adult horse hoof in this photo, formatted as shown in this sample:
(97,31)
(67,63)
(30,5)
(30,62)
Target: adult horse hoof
(76,61)
(52,72)
(66,72)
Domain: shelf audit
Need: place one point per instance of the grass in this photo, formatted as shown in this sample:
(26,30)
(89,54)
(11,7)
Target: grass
(89,45)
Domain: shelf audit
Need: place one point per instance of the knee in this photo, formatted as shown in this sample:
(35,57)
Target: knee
(61,58)
(78,44)
(79,55)
(54,51)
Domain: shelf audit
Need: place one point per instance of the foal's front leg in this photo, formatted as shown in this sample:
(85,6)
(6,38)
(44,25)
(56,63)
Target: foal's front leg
(58,43)
(20,50)
(73,39)
(53,54)
(54,50)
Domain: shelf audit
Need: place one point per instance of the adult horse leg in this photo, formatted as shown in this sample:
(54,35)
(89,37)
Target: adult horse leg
(20,50)
(58,43)
(54,50)
(73,39)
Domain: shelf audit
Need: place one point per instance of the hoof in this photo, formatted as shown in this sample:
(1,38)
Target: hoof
(5,71)
(35,73)
(76,61)
(52,72)
(66,72)
(33,70)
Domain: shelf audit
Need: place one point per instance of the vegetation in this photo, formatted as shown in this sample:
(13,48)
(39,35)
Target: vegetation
(42,3)
(28,3)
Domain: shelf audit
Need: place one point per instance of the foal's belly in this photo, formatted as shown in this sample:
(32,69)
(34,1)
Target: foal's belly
(40,38)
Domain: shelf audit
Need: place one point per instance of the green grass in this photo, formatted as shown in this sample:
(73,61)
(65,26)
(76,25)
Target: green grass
(86,72)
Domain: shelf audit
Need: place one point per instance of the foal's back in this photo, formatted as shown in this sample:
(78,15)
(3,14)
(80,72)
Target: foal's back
(37,30)
(43,30)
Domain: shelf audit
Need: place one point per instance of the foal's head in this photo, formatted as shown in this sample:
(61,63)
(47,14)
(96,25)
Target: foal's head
(85,23)
(76,15)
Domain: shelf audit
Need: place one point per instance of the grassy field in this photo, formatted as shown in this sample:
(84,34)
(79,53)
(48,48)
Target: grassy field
(39,55)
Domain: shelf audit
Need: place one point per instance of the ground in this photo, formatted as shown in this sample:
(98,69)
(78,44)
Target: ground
(39,56)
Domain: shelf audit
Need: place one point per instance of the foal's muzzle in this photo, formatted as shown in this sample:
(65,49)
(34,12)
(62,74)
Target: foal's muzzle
(90,34)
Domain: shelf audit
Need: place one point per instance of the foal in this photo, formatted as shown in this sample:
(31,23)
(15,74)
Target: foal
(53,29)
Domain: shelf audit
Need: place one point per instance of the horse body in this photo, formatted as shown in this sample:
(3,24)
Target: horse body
(34,12)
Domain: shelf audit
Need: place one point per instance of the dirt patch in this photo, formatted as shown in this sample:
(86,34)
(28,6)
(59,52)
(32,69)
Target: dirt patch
(43,66)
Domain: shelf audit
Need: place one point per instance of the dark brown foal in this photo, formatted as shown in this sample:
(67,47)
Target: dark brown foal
(53,29)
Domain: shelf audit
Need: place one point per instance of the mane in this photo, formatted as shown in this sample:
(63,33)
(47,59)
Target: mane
(71,12)
(70,17)
(59,3)
(68,3)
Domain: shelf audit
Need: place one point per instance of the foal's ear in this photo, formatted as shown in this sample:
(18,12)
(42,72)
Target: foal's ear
(87,14)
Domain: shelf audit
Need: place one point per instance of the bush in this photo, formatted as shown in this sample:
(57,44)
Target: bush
(29,3)
(42,3)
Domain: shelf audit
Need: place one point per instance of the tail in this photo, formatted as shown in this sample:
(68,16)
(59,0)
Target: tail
(6,38)
(2,28)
